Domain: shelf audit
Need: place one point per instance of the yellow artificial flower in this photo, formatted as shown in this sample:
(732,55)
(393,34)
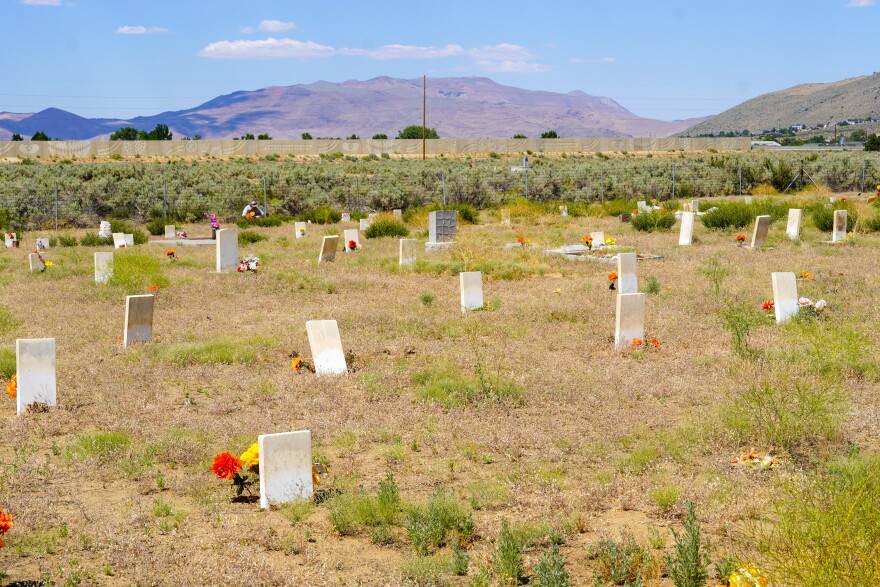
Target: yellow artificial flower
(251,456)
(610,241)
(50,264)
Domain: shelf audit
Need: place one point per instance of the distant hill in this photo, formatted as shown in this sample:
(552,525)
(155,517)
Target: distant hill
(808,104)
(469,107)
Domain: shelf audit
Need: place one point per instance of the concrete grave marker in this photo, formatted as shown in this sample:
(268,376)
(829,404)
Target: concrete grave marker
(170,231)
(103,267)
(35,372)
(346,217)
(793,228)
(227,250)
(627,280)
(598,239)
(365,223)
(785,297)
(505,217)
(138,319)
(695,205)
(351,234)
(398,213)
(104,230)
(285,467)
(629,321)
(326,346)
(10,239)
(329,244)
(563,210)
(36,263)
(747,199)
(129,241)
(407,251)
(42,243)
(838,234)
(759,233)
(299,229)
(471,284)
(442,226)
(686,235)
(118,240)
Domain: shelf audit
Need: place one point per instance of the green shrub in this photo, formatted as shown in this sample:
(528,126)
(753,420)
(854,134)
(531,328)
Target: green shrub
(622,563)
(424,571)
(320,215)
(508,556)
(67,241)
(618,206)
(466,213)
(384,227)
(140,237)
(350,513)
(266,221)
(651,221)
(458,564)
(156,226)
(93,240)
(872,223)
(432,525)
(550,570)
(823,218)
(688,566)
(729,215)
(248,237)
(100,445)
(652,286)
(8,365)
(739,319)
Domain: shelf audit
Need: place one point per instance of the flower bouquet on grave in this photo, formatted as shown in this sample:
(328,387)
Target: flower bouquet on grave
(215,224)
(748,575)
(521,240)
(352,245)
(806,275)
(741,239)
(12,387)
(302,231)
(755,460)
(250,263)
(612,279)
(181,234)
(809,309)
(6,525)
(588,241)
(610,242)
(638,345)
(244,472)
(250,215)
(171,254)
(46,264)
(299,365)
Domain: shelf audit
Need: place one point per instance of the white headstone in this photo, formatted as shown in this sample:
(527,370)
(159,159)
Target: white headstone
(598,239)
(35,372)
(838,234)
(227,249)
(36,263)
(372,216)
(407,251)
(695,205)
(285,467)
(505,217)
(471,285)
(346,217)
(299,228)
(103,267)
(129,241)
(326,346)
(351,234)
(642,206)
(398,213)
(793,229)
(785,297)
(629,322)
(170,231)
(10,238)
(365,223)
(329,244)
(118,240)
(563,210)
(42,243)
(627,280)
(686,235)
(104,231)
(138,319)
(759,233)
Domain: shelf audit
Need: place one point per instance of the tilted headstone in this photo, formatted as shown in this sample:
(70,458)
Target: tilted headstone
(838,235)
(35,372)
(471,285)
(627,280)
(563,210)
(36,263)
(227,250)
(326,346)
(351,234)
(299,228)
(346,217)
(785,297)
(442,226)
(104,231)
(138,319)
(629,322)
(407,251)
(170,231)
(42,243)
(505,217)
(118,240)
(598,239)
(398,213)
(686,235)
(129,241)
(329,244)
(103,267)
(759,233)
(793,228)
(285,467)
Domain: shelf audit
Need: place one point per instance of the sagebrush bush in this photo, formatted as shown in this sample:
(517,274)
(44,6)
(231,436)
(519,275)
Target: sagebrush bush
(729,215)
(140,237)
(651,221)
(823,218)
(385,227)
(67,241)
(688,565)
(433,525)
(508,556)
(8,364)
(247,237)
(93,240)
(622,563)
(266,221)
(320,215)
(550,570)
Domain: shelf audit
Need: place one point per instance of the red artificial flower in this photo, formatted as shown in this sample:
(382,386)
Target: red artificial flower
(655,344)
(352,245)
(5,522)
(612,276)
(226,465)
(768,305)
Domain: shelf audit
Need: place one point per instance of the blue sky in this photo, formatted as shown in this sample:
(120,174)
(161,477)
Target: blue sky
(667,60)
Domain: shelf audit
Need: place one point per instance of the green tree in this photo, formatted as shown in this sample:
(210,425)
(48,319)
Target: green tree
(160,133)
(859,134)
(306,136)
(16,137)
(518,136)
(550,134)
(380,136)
(872,144)
(126,133)
(353,138)
(264,137)
(248,136)
(415,132)
(40,136)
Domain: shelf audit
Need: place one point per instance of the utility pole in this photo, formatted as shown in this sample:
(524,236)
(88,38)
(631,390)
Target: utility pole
(424,113)
(443,181)
(864,169)
(673,181)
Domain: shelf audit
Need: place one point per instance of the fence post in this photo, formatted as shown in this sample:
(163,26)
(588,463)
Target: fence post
(165,198)
(443,183)
(56,206)
(864,169)
(673,181)
(602,184)
(740,171)
(527,183)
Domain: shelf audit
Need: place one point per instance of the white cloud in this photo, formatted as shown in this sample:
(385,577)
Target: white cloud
(42,2)
(246,30)
(578,60)
(405,52)
(510,66)
(276,26)
(501,52)
(859,4)
(140,30)
(266,49)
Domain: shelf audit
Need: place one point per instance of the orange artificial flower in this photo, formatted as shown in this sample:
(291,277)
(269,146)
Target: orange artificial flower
(655,344)
(5,525)
(636,344)
(806,275)
(296,364)
(12,387)
(521,239)
(153,289)
(170,253)
(740,238)
(225,465)
(612,276)
(586,239)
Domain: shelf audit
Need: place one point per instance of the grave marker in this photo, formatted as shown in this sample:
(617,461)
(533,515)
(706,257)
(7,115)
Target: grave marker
(36,263)
(563,210)
(170,231)
(118,240)
(285,467)
(627,280)
(329,244)
(748,200)
(838,235)
(793,228)
(346,217)
(138,319)
(629,322)
(407,251)
(598,239)
(326,346)
(365,223)
(227,250)
(759,233)
(129,241)
(104,230)
(442,226)
(103,267)
(42,243)
(695,205)
(299,228)
(351,234)
(471,285)
(398,213)
(11,238)
(686,235)
(505,217)
(35,372)
(642,207)
(785,297)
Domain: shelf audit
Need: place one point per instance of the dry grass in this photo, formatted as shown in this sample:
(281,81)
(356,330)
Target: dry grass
(117,479)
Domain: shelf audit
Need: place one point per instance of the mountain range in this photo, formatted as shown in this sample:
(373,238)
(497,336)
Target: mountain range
(457,107)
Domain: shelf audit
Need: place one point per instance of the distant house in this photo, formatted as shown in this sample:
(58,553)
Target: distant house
(798,127)
(765,144)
